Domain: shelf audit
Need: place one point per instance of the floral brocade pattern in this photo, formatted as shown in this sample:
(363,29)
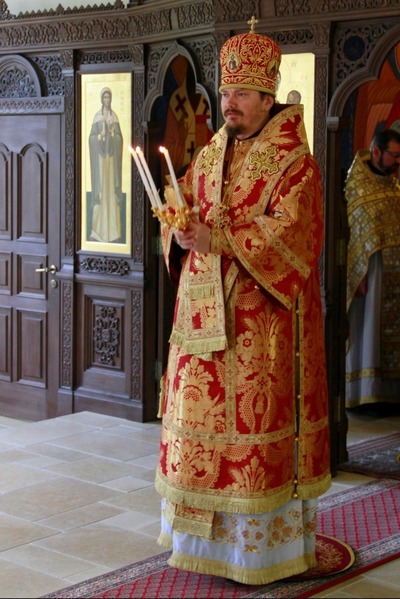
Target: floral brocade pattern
(257,535)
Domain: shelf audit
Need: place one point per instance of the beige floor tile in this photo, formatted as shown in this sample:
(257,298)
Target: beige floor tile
(102,443)
(134,434)
(7,422)
(15,532)
(18,476)
(389,573)
(147,501)
(142,472)
(20,582)
(46,561)
(148,461)
(130,520)
(96,420)
(93,469)
(361,587)
(153,530)
(127,483)
(8,456)
(86,575)
(55,451)
(46,430)
(53,497)
(95,512)
(104,546)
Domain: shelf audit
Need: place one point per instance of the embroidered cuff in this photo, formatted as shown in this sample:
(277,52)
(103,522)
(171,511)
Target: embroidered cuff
(219,242)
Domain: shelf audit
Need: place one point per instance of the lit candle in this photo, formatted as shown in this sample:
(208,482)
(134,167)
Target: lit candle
(149,177)
(144,178)
(172,173)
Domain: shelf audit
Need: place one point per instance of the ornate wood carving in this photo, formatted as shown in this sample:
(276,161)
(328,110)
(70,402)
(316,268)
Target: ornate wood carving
(285,8)
(69,210)
(27,105)
(51,69)
(136,344)
(105,57)
(353,46)
(107,336)
(105,266)
(205,51)
(67,334)
(139,92)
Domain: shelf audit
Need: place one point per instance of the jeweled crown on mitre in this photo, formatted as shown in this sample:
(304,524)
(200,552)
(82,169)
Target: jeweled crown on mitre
(250,61)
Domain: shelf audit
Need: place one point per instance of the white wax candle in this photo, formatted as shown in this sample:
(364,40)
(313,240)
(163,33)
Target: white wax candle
(149,177)
(144,178)
(172,173)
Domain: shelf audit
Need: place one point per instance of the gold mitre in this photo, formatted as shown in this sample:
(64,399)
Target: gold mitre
(250,61)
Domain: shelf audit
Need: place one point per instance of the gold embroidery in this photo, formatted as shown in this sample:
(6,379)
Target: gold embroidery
(202,291)
(263,161)
(218,216)
(208,158)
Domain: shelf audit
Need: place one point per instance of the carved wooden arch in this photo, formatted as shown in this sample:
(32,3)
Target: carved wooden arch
(19,64)
(370,72)
(157,91)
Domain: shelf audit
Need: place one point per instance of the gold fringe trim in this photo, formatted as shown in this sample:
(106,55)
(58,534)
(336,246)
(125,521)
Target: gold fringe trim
(240,505)
(314,490)
(164,540)
(210,500)
(241,574)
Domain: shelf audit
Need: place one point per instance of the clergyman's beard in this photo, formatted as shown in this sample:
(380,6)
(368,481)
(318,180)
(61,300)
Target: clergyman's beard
(234,131)
(387,170)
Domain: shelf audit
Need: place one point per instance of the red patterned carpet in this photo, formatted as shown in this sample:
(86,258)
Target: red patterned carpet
(342,515)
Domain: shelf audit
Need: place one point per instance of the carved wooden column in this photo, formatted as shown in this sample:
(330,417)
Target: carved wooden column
(66,274)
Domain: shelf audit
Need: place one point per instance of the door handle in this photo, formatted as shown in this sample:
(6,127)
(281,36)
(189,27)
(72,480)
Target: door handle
(53,269)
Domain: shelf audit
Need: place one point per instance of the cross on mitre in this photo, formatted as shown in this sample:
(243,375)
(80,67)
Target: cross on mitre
(253,22)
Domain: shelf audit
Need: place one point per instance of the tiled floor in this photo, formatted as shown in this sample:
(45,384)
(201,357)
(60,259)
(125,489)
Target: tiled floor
(77,499)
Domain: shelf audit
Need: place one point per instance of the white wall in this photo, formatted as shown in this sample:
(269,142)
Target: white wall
(22,6)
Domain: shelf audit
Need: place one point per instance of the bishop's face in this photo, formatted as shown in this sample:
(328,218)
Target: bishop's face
(245,111)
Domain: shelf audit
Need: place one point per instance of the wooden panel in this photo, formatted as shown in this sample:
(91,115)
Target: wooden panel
(107,371)
(5,273)
(5,336)
(5,193)
(31,348)
(32,194)
(29,282)
(101,322)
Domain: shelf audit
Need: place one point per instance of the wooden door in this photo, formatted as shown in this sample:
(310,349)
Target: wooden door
(30,149)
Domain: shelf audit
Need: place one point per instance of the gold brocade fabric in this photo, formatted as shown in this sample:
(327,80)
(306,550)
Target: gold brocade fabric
(244,397)
(373,208)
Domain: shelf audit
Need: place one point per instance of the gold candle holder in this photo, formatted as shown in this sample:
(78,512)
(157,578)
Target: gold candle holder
(178,218)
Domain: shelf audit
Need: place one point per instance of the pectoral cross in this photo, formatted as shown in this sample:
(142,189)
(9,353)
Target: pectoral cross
(253,22)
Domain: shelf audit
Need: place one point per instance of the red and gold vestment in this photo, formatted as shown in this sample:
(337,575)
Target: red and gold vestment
(244,398)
